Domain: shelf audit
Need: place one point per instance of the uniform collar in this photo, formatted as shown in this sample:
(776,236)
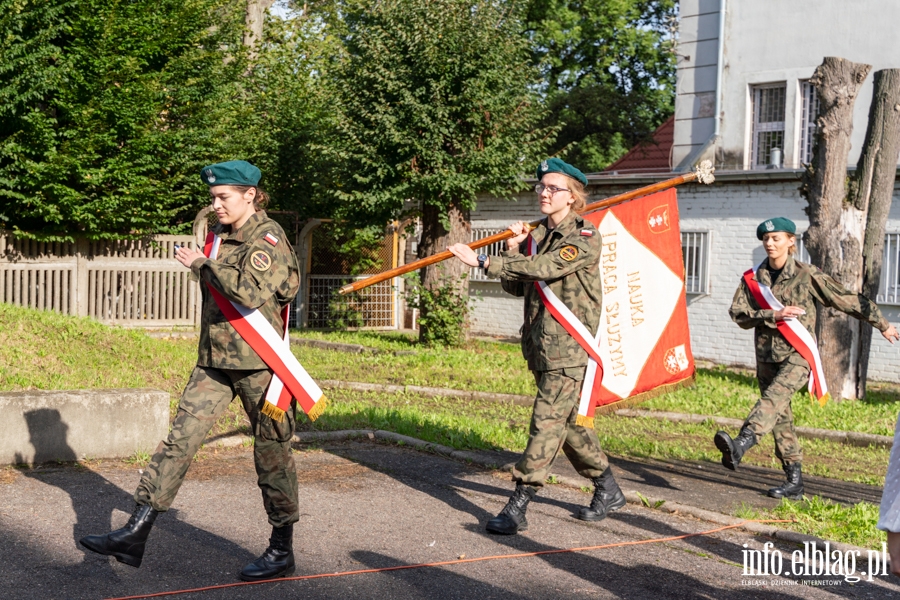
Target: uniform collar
(787,271)
(245,232)
(571,222)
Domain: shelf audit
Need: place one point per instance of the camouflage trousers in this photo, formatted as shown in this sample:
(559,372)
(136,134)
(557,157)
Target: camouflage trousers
(207,395)
(777,383)
(553,427)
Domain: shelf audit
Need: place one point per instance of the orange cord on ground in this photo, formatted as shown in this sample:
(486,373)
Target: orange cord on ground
(452,562)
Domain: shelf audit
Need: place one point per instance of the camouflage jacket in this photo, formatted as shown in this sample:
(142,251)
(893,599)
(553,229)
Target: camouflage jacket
(568,260)
(798,284)
(252,272)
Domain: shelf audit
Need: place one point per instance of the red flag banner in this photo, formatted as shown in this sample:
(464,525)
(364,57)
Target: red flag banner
(644,340)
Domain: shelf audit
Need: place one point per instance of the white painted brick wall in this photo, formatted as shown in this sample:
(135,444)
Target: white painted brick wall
(730,211)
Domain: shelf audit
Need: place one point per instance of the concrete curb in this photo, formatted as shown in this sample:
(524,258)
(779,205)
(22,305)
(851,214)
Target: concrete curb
(426,391)
(351,348)
(632,496)
(851,438)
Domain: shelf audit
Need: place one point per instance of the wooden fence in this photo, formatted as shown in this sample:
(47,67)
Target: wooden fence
(132,283)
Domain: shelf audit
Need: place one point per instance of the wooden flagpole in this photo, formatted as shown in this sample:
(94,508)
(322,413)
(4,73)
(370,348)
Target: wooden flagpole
(703,173)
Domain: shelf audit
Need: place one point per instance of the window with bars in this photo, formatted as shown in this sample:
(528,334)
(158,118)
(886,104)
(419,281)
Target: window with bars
(808,113)
(889,289)
(768,122)
(695,250)
(476,274)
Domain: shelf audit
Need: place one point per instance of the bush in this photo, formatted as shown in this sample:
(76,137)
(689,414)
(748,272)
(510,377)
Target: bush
(442,311)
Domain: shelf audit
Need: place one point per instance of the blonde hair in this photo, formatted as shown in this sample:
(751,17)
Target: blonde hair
(260,201)
(576,188)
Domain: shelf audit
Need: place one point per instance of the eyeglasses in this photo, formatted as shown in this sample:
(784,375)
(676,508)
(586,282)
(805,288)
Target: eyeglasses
(539,188)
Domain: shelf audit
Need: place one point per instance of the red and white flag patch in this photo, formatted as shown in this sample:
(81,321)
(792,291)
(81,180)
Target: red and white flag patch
(271,239)
(587,233)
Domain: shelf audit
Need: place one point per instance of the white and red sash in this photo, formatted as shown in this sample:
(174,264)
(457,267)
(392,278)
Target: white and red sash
(795,333)
(289,378)
(590,389)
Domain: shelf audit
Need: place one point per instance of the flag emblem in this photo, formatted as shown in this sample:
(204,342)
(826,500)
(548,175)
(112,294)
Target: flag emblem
(587,233)
(271,239)
(658,219)
(676,360)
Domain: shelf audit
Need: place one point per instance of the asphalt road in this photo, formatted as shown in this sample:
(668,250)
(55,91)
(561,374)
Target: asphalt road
(368,505)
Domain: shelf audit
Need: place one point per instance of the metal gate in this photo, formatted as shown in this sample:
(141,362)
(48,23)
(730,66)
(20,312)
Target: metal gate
(332,263)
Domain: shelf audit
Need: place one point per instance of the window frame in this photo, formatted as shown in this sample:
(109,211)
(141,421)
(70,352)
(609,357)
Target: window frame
(757,127)
(701,262)
(809,111)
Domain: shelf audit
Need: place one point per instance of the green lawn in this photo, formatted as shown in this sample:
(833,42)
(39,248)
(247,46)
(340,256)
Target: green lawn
(44,350)
(47,351)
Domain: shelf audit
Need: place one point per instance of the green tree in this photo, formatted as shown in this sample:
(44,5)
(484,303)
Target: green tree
(609,73)
(286,113)
(109,108)
(434,102)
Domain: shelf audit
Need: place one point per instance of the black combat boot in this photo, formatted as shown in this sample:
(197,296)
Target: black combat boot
(512,518)
(733,450)
(607,498)
(277,560)
(126,544)
(792,489)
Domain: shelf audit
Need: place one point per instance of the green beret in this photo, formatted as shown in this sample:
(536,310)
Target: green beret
(776,224)
(555,165)
(233,172)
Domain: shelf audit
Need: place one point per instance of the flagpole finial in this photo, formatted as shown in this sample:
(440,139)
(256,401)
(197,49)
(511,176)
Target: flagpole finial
(705,172)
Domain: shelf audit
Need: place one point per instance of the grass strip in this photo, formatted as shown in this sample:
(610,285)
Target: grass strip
(486,425)
(825,519)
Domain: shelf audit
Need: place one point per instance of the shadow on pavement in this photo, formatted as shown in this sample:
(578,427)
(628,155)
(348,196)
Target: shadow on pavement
(639,582)
(94,499)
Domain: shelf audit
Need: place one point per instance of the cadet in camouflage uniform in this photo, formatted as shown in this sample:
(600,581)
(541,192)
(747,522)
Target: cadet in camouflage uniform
(252,271)
(780,369)
(568,255)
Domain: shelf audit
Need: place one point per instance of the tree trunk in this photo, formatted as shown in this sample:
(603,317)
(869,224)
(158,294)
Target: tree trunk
(875,174)
(436,238)
(835,234)
(254,20)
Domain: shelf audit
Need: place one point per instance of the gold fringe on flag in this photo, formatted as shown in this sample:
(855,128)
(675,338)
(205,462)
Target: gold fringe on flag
(317,409)
(272,411)
(584,421)
(637,399)
(821,401)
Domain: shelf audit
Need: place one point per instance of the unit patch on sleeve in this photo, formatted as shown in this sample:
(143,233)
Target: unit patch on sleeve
(568,253)
(260,261)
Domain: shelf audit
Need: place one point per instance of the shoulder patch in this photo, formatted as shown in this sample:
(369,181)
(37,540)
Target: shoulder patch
(568,253)
(271,239)
(587,233)
(260,261)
